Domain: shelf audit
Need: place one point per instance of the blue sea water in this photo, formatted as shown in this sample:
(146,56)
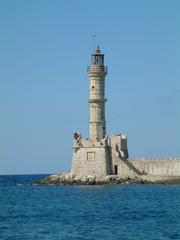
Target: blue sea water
(122,212)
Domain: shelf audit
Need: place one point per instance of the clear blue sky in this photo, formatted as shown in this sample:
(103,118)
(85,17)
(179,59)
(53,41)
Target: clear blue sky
(45,48)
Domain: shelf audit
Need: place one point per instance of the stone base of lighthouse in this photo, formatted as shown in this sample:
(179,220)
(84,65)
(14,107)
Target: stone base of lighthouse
(98,157)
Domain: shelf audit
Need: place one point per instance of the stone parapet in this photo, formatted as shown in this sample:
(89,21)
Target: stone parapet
(91,143)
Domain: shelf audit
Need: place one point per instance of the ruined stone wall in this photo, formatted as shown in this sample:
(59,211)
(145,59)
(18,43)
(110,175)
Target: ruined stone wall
(109,157)
(119,145)
(148,166)
(118,151)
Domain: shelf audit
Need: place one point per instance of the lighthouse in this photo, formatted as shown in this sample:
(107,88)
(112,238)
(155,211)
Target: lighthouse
(97,155)
(97,73)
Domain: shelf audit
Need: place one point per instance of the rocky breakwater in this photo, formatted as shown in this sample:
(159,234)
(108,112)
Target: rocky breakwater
(72,179)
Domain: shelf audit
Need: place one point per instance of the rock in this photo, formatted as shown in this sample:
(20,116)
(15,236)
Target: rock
(84,179)
(92,180)
(72,179)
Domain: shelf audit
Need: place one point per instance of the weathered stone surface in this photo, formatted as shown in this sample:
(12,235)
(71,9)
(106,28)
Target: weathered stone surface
(164,167)
(71,179)
(94,156)
(107,157)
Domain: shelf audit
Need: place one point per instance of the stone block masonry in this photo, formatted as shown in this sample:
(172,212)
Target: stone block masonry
(100,155)
(149,166)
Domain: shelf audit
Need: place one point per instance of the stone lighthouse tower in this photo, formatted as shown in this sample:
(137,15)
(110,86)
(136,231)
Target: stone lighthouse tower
(97,73)
(97,155)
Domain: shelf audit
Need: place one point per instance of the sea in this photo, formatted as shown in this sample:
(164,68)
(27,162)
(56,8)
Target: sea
(122,212)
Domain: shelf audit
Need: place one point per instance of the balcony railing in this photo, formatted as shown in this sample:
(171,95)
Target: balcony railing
(97,68)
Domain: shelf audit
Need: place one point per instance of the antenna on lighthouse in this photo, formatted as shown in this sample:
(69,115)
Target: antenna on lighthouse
(94,42)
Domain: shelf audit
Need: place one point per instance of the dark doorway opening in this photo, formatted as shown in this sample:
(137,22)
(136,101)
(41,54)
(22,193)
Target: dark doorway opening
(115,169)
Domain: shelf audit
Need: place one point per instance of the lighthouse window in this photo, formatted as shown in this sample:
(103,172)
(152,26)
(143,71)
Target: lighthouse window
(90,156)
(92,87)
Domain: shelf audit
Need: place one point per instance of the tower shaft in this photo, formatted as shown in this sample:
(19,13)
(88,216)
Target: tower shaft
(97,73)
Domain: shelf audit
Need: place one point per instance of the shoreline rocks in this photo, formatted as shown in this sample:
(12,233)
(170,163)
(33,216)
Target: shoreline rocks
(72,179)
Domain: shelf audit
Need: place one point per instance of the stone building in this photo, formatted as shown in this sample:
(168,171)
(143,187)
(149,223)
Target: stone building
(101,155)
(98,154)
